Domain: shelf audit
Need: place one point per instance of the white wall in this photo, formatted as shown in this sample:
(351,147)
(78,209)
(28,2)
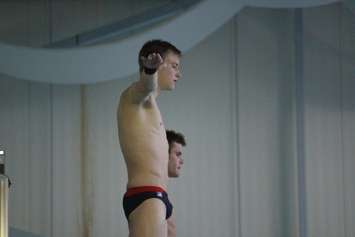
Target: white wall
(348,118)
(236,106)
(265,120)
(328,110)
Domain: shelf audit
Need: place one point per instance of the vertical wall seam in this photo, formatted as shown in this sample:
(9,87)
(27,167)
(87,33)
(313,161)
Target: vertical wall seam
(341,106)
(51,94)
(82,161)
(51,103)
(300,126)
(86,209)
(28,156)
(235,124)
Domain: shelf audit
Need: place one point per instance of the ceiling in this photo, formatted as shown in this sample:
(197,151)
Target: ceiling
(44,23)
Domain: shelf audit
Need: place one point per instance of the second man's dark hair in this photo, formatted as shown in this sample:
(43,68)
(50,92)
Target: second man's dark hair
(173,136)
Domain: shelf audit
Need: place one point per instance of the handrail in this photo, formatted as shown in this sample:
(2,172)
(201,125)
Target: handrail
(4,195)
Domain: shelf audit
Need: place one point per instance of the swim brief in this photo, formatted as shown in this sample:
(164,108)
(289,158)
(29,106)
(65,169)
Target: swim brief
(135,196)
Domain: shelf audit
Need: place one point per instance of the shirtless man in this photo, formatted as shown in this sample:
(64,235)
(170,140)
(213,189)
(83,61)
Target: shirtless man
(143,140)
(176,142)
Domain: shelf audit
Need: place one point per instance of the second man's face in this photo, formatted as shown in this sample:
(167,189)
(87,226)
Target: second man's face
(169,71)
(175,160)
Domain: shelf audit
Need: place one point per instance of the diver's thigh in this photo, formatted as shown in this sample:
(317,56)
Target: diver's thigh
(148,219)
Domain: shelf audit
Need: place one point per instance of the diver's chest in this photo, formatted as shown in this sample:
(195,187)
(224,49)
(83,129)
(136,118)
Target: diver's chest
(151,114)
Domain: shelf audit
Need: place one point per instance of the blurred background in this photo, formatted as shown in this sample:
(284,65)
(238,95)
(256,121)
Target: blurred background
(266,103)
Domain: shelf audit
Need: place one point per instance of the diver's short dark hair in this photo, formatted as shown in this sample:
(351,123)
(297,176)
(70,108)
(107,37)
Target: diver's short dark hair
(156,46)
(173,136)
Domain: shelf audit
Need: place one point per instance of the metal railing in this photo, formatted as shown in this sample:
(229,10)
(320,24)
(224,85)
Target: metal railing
(4,197)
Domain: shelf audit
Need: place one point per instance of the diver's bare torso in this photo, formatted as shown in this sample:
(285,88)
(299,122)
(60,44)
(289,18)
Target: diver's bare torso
(143,140)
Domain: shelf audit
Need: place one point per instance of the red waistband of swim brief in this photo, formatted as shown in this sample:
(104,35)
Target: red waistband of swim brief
(142,189)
